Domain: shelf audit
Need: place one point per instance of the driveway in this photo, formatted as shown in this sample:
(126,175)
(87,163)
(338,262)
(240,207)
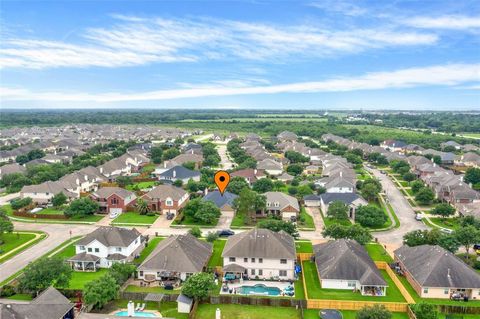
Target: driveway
(225,220)
(406,215)
(317,217)
(225,162)
(5,199)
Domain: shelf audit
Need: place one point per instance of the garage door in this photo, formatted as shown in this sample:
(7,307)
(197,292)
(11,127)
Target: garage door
(116,210)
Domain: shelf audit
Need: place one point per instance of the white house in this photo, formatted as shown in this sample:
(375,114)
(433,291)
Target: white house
(270,166)
(106,246)
(260,253)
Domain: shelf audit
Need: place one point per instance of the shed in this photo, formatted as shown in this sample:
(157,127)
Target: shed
(184,304)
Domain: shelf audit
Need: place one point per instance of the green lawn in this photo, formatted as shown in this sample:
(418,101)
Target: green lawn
(26,297)
(51,211)
(207,311)
(140,185)
(68,251)
(450,223)
(133,288)
(330,221)
(378,253)
(238,220)
(216,259)
(304,247)
(79,278)
(299,290)
(347,314)
(148,250)
(316,292)
(305,220)
(134,218)
(189,221)
(13,240)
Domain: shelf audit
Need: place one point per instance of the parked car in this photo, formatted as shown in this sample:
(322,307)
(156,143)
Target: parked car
(476,247)
(170,216)
(225,233)
(446,230)
(113,215)
(418,217)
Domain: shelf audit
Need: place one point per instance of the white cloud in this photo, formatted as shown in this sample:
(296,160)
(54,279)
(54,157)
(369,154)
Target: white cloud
(134,41)
(339,6)
(440,75)
(452,22)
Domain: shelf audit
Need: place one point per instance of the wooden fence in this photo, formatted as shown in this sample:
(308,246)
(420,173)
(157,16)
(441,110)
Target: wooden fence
(256,301)
(39,216)
(384,266)
(354,304)
(410,313)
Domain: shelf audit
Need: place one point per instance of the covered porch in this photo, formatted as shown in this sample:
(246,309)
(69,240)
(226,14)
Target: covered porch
(233,273)
(380,291)
(84,262)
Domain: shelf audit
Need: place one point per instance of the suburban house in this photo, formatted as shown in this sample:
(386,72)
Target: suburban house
(44,192)
(270,166)
(451,144)
(49,304)
(393,145)
(113,199)
(287,136)
(281,204)
(106,246)
(179,173)
(167,199)
(352,200)
(114,168)
(251,175)
(437,273)
(337,183)
(11,169)
(223,201)
(345,264)
(260,253)
(285,177)
(468,159)
(188,158)
(175,259)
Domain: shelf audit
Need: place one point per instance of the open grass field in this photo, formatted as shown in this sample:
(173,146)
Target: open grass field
(207,311)
(450,223)
(315,291)
(13,240)
(216,258)
(134,218)
(51,211)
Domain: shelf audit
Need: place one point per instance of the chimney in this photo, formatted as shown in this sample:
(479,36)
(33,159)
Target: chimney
(206,191)
(341,174)
(448,273)
(255,171)
(101,170)
(86,177)
(461,178)
(174,173)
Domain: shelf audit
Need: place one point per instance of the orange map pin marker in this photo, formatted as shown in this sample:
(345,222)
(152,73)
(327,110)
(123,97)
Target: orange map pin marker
(222,178)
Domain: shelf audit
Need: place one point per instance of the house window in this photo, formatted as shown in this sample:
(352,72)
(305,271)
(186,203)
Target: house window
(89,250)
(81,247)
(252,272)
(169,202)
(114,201)
(97,250)
(351,284)
(283,261)
(119,249)
(268,204)
(253,260)
(446,291)
(425,290)
(260,260)
(260,272)
(277,204)
(283,273)
(231,259)
(140,273)
(245,260)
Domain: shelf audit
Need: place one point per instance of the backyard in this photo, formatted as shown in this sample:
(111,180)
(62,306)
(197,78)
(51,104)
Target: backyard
(378,253)
(148,250)
(141,185)
(207,311)
(216,259)
(79,278)
(348,314)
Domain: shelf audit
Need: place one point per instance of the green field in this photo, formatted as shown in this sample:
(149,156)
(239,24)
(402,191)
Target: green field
(134,218)
(14,240)
(347,314)
(133,288)
(216,259)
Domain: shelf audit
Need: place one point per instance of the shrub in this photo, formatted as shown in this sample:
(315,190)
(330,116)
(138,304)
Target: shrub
(7,291)
(20,203)
(212,236)
(195,231)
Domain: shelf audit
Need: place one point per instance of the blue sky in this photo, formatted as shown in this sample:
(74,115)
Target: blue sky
(331,54)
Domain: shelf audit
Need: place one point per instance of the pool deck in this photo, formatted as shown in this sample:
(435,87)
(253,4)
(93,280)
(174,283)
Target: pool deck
(154,312)
(277,284)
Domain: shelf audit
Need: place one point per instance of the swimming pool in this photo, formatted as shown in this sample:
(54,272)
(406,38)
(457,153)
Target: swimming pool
(136,314)
(259,289)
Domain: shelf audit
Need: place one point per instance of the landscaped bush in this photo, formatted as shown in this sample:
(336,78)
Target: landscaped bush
(20,203)
(7,291)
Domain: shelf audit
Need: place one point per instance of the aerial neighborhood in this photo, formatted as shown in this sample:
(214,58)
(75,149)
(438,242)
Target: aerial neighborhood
(317,221)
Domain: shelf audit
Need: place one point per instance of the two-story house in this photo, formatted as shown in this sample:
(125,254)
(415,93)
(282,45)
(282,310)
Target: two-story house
(260,254)
(106,246)
(281,204)
(167,199)
(113,199)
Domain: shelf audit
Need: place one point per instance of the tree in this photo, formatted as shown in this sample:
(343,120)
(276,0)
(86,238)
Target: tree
(199,285)
(437,159)
(467,236)
(212,236)
(178,183)
(370,216)
(59,199)
(444,210)
(6,225)
(263,185)
(189,165)
(121,272)
(425,196)
(156,155)
(237,184)
(296,157)
(123,181)
(369,192)
(20,203)
(170,153)
(202,211)
(425,310)
(355,232)
(45,272)
(277,225)
(472,175)
(142,206)
(353,158)
(416,186)
(337,210)
(295,169)
(82,207)
(409,177)
(195,231)
(432,237)
(249,202)
(374,312)
(100,291)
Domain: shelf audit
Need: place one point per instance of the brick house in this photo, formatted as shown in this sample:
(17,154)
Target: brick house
(166,199)
(113,199)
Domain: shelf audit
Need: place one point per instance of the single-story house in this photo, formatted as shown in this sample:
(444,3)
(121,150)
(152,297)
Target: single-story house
(251,175)
(179,173)
(281,204)
(352,200)
(223,201)
(270,166)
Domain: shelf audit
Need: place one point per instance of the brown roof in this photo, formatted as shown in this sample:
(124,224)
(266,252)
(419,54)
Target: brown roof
(163,191)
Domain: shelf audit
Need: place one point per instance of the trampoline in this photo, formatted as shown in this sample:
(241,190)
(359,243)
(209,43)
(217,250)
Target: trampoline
(330,314)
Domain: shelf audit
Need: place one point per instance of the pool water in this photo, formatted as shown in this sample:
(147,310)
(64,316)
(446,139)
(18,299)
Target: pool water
(259,289)
(136,314)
